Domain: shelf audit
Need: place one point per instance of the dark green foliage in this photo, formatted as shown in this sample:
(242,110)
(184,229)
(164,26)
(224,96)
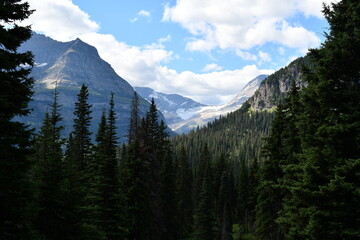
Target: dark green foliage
(205,221)
(270,194)
(240,140)
(81,133)
(49,175)
(15,94)
(135,189)
(77,163)
(329,133)
(184,196)
(103,176)
(134,126)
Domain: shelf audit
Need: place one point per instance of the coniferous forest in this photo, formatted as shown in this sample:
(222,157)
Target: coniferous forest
(292,173)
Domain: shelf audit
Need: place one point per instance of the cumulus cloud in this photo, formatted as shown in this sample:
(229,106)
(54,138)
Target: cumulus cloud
(61,20)
(244,24)
(142,66)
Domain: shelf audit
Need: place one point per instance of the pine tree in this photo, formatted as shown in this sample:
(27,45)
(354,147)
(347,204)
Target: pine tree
(109,188)
(15,94)
(184,196)
(81,133)
(77,165)
(205,222)
(168,186)
(324,194)
(135,189)
(270,194)
(243,209)
(49,174)
(135,122)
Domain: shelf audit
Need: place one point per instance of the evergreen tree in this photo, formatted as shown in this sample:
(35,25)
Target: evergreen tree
(49,175)
(15,94)
(168,186)
(184,196)
(109,188)
(205,222)
(77,166)
(135,189)
(81,133)
(270,194)
(135,122)
(324,194)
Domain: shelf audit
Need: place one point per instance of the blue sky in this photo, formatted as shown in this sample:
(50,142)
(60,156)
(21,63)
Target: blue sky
(206,50)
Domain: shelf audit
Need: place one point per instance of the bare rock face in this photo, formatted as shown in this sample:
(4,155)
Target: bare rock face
(68,65)
(276,86)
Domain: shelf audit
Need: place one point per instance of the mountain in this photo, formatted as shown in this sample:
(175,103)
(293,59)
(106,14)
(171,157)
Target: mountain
(68,65)
(240,133)
(275,87)
(207,114)
(245,93)
(174,107)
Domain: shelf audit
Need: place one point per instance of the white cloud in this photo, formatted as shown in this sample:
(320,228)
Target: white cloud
(165,39)
(144,13)
(265,57)
(211,67)
(281,50)
(61,19)
(141,13)
(244,24)
(246,55)
(140,65)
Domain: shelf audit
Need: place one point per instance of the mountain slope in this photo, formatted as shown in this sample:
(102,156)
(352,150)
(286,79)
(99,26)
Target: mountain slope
(240,134)
(68,65)
(173,106)
(276,86)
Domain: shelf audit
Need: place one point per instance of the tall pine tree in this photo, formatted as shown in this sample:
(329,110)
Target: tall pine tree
(15,94)
(49,174)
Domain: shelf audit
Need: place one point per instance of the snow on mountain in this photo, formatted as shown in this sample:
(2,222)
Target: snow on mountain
(195,117)
(174,107)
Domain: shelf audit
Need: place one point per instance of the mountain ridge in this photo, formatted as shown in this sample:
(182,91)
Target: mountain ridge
(68,65)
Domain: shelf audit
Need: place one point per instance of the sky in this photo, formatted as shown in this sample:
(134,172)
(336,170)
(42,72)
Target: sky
(203,49)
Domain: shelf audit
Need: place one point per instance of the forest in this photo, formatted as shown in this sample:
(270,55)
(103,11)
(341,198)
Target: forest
(291,173)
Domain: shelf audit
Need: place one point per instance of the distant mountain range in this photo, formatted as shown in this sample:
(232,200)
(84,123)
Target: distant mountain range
(183,114)
(68,65)
(174,106)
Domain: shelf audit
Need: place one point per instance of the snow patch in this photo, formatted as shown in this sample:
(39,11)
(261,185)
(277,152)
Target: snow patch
(41,64)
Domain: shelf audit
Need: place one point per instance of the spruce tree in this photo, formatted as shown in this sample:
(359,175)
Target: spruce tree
(184,196)
(205,221)
(325,193)
(270,195)
(15,94)
(135,122)
(81,133)
(77,164)
(168,186)
(135,189)
(49,174)
(109,188)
